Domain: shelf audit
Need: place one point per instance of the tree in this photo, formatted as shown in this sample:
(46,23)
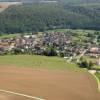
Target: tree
(50,51)
(61,54)
(16,51)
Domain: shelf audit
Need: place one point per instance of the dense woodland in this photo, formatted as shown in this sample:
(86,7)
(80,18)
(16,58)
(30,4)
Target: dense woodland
(45,16)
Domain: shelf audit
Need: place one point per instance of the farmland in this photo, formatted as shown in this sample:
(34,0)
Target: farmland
(39,81)
(37,62)
(25,76)
(49,65)
(49,50)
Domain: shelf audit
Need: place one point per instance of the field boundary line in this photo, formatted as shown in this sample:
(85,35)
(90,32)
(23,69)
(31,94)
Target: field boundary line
(19,94)
(97,80)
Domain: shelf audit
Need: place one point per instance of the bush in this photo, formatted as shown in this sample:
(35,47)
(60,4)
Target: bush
(83,64)
(61,54)
(16,51)
(50,51)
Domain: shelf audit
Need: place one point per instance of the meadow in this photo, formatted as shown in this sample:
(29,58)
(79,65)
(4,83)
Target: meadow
(8,35)
(98,75)
(38,62)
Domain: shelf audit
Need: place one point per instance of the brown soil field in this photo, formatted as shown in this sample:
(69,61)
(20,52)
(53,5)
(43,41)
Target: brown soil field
(49,85)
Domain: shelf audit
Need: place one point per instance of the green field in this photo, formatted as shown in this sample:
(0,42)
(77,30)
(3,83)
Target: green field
(38,62)
(8,35)
(98,75)
(72,30)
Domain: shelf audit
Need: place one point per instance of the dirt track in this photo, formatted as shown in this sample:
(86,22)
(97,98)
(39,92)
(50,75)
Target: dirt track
(5,5)
(50,85)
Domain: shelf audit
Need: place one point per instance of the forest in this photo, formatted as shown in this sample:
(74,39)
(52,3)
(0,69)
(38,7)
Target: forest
(46,16)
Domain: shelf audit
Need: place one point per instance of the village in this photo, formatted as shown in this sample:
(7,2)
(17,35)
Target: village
(50,44)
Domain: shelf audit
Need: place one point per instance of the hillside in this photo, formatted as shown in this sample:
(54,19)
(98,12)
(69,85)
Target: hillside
(44,16)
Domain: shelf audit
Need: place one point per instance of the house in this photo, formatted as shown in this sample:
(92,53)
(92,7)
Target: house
(94,50)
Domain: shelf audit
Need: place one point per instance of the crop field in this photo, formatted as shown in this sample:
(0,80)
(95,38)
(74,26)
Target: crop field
(31,77)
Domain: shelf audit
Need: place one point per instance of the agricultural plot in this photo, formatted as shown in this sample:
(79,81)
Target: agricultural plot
(25,77)
(46,85)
